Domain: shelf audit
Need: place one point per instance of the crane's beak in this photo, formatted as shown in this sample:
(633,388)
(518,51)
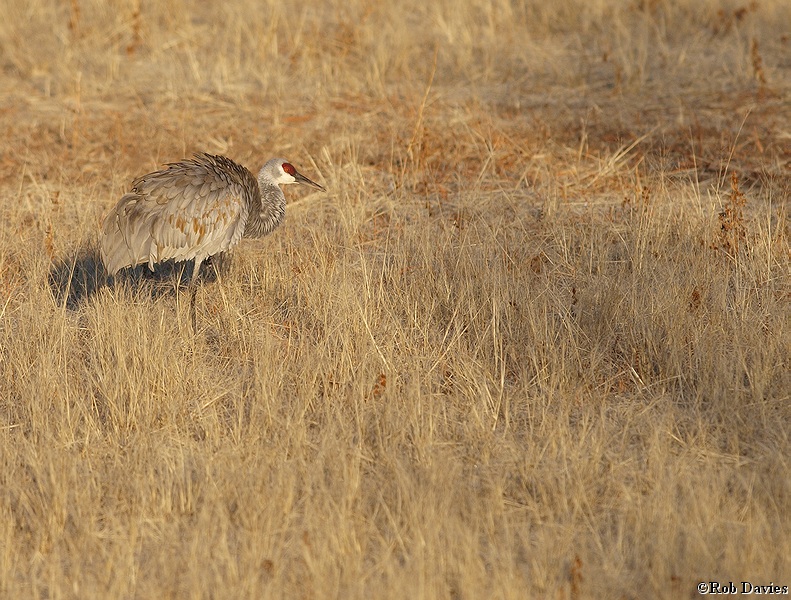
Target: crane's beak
(302,179)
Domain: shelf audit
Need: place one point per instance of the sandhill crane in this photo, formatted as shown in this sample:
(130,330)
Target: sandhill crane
(194,209)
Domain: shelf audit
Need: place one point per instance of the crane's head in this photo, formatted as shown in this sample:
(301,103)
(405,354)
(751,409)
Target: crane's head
(282,172)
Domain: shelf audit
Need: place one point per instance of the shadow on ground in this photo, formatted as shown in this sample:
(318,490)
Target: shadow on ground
(77,277)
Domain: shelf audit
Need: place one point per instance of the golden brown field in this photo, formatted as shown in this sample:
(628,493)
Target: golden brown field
(534,341)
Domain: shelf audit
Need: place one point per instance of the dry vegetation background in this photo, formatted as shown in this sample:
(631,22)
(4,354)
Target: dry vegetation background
(535,341)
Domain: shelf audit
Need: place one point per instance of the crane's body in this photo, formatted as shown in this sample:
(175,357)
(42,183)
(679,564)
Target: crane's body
(193,209)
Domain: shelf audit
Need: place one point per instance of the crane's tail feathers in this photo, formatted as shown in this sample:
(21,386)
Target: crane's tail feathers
(125,240)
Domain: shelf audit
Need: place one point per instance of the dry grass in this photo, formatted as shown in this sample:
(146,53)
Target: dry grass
(534,342)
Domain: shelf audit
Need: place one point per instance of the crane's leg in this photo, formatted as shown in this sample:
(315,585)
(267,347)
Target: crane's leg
(193,286)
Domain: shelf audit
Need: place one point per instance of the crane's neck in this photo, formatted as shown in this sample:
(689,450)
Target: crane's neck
(267,210)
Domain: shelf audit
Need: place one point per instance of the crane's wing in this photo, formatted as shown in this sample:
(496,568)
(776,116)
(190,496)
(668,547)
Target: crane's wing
(193,209)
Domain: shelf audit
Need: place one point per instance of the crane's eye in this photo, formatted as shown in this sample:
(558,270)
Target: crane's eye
(289,168)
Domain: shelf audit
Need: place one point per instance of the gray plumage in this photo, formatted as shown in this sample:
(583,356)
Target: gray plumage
(194,209)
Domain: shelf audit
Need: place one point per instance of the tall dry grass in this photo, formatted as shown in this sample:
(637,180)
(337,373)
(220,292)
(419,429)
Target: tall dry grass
(534,342)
